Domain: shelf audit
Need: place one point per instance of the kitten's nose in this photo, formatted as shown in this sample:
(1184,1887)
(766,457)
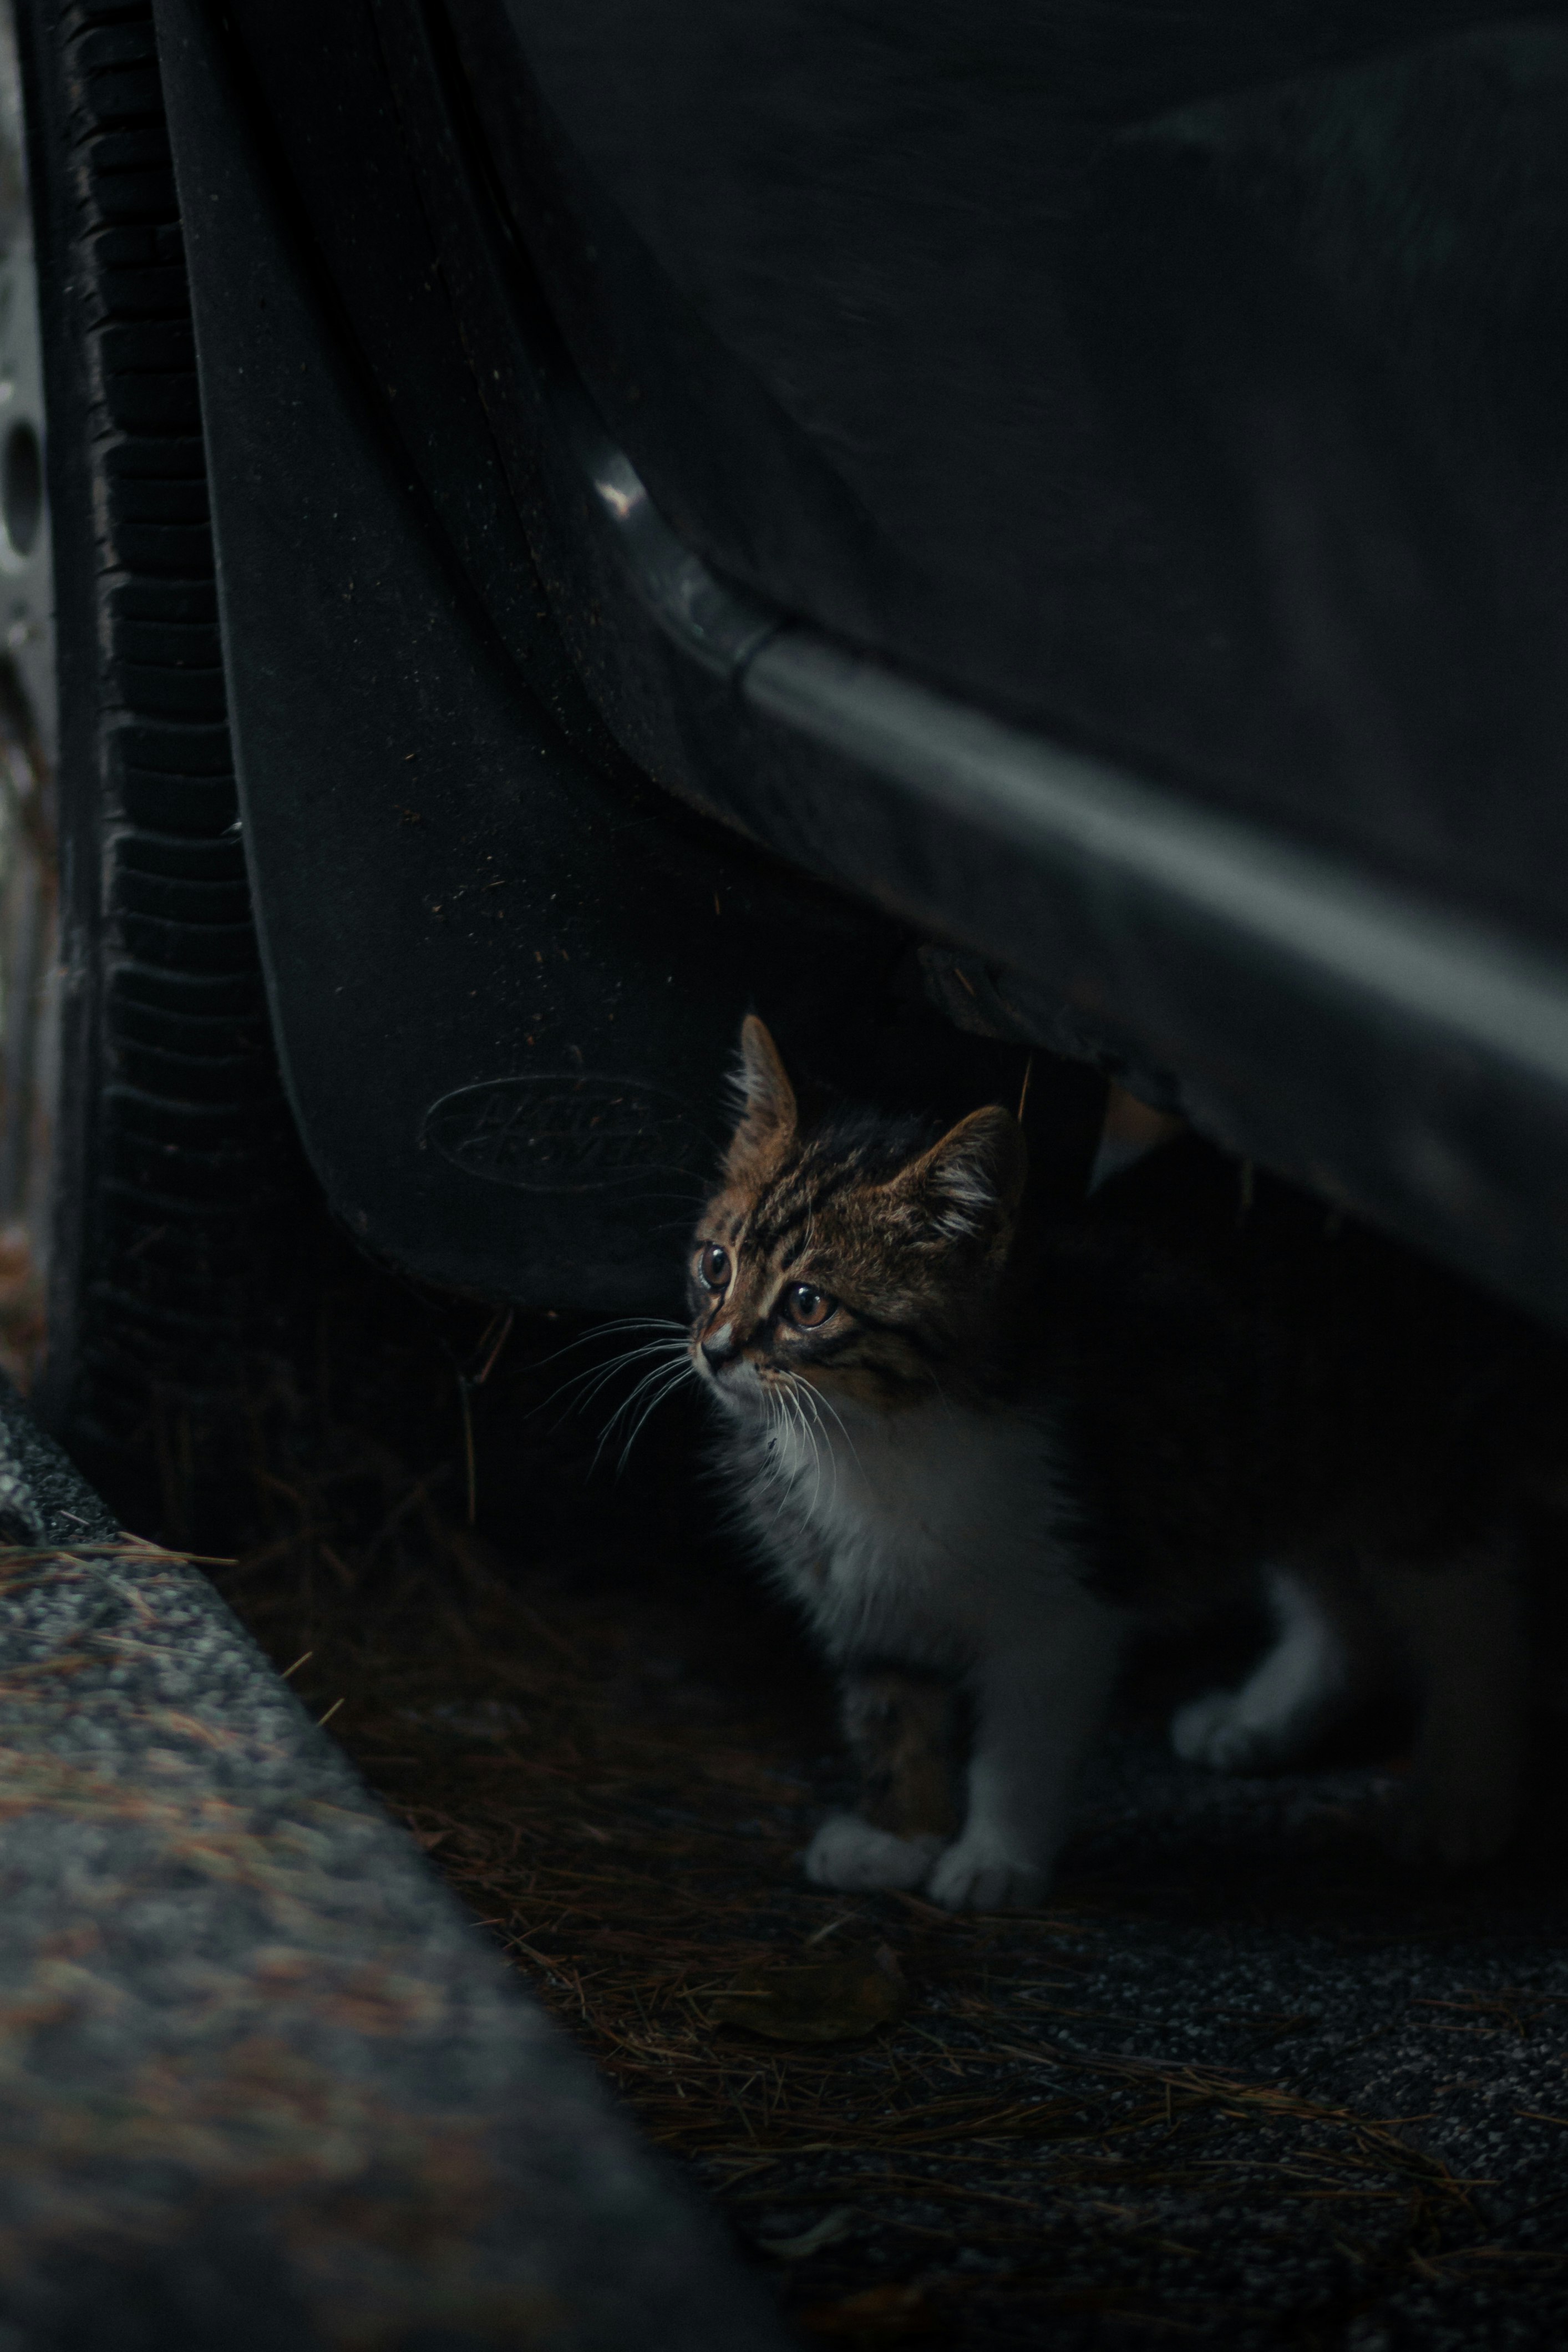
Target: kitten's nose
(717,1345)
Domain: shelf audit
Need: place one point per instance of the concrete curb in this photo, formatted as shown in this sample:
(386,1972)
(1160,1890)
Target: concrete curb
(262,2082)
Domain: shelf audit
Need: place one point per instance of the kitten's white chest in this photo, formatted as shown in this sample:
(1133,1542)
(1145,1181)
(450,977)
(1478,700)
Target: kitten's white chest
(913,1528)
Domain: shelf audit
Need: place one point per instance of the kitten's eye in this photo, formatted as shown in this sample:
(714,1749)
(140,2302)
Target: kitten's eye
(808,1306)
(713,1267)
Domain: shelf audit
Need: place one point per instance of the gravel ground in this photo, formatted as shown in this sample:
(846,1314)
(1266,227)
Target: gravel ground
(1411,2187)
(1241,2083)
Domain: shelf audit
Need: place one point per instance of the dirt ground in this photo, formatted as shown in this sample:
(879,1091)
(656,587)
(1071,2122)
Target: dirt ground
(1240,2083)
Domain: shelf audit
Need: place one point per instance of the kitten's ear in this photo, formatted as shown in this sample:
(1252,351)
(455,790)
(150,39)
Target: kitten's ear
(765,1096)
(970,1183)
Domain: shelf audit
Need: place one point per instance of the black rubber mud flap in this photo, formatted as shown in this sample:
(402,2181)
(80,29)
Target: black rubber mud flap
(506,973)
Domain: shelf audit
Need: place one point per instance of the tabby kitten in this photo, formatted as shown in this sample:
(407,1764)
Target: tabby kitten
(978,1456)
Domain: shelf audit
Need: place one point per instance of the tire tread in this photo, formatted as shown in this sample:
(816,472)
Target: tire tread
(192,1141)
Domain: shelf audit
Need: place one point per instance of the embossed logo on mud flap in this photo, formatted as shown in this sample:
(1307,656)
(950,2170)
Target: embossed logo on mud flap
(568,1132)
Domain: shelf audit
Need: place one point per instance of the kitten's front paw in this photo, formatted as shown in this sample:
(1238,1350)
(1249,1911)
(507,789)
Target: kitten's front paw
(851,1854)
(979,1874)
(1213,1730)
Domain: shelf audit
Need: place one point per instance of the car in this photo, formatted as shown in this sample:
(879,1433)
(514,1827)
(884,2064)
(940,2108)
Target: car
(1025,545)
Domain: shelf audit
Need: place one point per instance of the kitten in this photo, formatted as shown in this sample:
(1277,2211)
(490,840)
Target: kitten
(979,1456)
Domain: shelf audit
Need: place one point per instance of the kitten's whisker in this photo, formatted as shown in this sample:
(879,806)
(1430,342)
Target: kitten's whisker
(766,1447)
(807,1402)
(628,1402)
(808,1433)
(776,1472)
(601,1331)
(781,1470)
(637,1323)
(826,1404)
(671,1384)
(598,1375)
(814,1403)
(820,1445)
(627,1405)
(654,1373)
(607,1331)
(608,1429)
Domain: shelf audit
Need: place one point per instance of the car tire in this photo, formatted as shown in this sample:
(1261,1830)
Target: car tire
(175,1180)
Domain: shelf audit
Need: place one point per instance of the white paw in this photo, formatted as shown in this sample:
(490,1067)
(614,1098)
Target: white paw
(852,1855)
(981,1874)
(1213,1730)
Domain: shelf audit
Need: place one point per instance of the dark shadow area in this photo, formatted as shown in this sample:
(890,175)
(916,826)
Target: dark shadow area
(1241,2083)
